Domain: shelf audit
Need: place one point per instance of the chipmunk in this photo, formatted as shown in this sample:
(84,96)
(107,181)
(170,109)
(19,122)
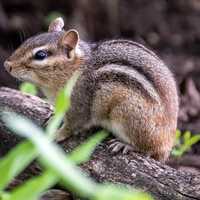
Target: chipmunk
(123,87)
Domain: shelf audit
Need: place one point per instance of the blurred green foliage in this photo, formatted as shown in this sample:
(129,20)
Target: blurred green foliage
(28,88)
(184,142)
(57,166)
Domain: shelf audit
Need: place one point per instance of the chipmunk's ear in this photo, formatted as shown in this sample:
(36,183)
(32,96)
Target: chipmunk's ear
(56,25)
(70,39)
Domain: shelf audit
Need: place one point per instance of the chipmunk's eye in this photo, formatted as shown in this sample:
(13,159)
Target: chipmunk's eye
(40,55)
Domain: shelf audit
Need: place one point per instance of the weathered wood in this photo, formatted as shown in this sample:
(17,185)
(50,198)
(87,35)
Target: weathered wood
(162,181)
(54,194)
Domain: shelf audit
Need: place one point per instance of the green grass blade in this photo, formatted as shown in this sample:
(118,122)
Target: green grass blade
(74,180)
(15,161)
(34,187)
(54,125)
(186,136)
(113,192)
(4,195)
(28,88)
(53,157)
(62,103)
(193,140)
(83,152)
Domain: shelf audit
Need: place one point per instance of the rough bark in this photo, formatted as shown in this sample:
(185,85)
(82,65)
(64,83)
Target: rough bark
(162,181)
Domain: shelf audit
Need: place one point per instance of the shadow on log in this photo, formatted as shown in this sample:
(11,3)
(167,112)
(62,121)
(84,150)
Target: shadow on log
(162,181)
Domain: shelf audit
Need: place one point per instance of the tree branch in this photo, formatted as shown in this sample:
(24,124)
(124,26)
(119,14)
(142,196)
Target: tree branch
(162,181)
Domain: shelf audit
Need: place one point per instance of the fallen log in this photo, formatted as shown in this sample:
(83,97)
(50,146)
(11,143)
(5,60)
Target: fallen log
(133,169)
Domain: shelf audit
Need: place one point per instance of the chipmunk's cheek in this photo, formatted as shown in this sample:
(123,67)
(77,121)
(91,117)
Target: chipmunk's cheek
(39,80)
(24,75)
(32,77)
(27,77)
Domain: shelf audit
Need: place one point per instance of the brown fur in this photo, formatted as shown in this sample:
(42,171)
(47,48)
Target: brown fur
(146,128)
(123,87)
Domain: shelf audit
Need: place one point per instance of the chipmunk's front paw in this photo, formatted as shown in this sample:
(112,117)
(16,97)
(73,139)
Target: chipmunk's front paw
(62,134)
(116,146)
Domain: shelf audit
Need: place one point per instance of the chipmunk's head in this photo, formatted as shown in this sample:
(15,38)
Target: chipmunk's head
(48,59)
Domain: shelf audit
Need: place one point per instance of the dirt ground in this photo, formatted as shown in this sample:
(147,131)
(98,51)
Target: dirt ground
(171,28)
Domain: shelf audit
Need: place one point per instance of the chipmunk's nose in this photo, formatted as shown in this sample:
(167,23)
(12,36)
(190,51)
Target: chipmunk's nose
(7,65)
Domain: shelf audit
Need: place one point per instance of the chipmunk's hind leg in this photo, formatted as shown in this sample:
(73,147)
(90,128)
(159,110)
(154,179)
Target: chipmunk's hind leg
(121,127)
(111,111)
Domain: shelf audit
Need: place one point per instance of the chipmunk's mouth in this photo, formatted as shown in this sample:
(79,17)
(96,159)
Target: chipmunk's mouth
(8,66)
(22,75)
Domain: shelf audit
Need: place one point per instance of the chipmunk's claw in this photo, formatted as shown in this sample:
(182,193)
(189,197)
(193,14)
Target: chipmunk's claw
(116,146)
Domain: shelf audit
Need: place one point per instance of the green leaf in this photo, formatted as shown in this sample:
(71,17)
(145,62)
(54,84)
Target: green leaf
(186,144)
(178,134)
(28,88)
(63,99)
(4,195)
(176,152)
(15,161)
(62,102)
(194,139)
(111,192)
(73,178)
(33,188)
(53,125)
(178,137)
(52,156)
(83,152)
(186,136)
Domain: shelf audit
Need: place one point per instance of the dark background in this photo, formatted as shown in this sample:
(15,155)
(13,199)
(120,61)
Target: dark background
(170,27)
